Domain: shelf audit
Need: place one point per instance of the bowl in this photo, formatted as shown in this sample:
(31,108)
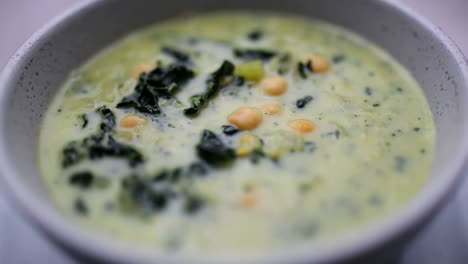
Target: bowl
(36,71)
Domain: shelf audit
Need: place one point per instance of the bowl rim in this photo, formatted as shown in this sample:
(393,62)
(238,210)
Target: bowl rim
(60,228)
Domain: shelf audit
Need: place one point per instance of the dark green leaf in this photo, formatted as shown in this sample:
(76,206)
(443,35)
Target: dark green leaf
(254,54)
(301,103)
(213,151)
(177,54)
(230,130)
(304,69)
(162,82)
(82,179)
(80,207)
(214,83)
(255,35)
(84,117)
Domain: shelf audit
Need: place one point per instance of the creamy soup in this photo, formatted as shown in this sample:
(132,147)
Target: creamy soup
(235,132)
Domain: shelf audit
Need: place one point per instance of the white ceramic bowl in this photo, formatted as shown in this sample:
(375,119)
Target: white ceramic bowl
(34,74)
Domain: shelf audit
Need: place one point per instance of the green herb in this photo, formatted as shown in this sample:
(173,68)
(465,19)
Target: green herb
(80,207)
(100,145)
(213,151)
(304,69)
(284,63)
(256,155)
(301,103)
(230,130)
(108,119)
(193,203)
(310,146)
(400,163)
(146,195)
(255,35)
(112,148)
(82,179)
(176,54)
(137,194)
(84,117)
(162,82)
(175,175)
(254,54)
(335,134)
(214,83)
(338,58)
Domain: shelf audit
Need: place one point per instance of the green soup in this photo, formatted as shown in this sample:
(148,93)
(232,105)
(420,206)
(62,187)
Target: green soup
(146,142)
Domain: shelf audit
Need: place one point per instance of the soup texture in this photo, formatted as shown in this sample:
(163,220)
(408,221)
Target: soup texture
(235,132)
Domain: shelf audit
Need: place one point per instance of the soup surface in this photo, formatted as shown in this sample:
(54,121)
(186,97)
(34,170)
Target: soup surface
(235,132)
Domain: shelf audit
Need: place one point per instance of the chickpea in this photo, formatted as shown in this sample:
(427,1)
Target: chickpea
(247,143)
(319,64)
(274,85)
(131,121)
(249,199)
(302,126)
(141,68)
(246,118)
(272,109)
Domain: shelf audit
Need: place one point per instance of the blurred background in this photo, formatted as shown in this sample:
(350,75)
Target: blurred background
(445,241)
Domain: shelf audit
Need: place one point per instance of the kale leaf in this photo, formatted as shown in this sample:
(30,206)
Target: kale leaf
(80,207)
(254,54)
(214,83)
(82,179)
(137,193)
(304,68)
(230,130)
(100,145)
(108,119)
(213,151)
(112,148)
(151,195)
(301,103)
(177,54)
(84,117)
(162,82)
(255,35)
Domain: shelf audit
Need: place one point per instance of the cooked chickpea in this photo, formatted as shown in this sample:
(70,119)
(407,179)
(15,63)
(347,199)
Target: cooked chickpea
(246,118)
(131,121)
(141,68)
(249,199)
(247,143)
(272,109)
(319,64)
(274,85)
(302,126)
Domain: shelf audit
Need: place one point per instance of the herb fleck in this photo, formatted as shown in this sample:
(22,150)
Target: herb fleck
(338,58)
(301,103)
(254,54)
(80,207)
(213,151)
(214,83)
(230,130)
(82,179)
(84,117)
(255,35)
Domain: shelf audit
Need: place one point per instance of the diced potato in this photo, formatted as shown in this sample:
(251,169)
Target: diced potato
(251,71)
